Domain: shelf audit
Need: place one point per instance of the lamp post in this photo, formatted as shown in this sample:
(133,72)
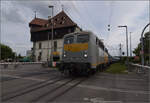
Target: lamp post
(142,44)
(48,48)
(130,46)
(52,7)
(126,43)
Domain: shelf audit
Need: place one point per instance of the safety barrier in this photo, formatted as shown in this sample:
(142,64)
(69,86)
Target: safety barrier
(21,63)
(15,65)
(139,68)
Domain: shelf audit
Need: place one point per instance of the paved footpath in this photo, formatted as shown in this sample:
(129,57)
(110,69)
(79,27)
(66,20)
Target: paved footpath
(47,85)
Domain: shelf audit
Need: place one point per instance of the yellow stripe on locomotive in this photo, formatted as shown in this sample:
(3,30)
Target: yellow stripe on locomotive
(76,47)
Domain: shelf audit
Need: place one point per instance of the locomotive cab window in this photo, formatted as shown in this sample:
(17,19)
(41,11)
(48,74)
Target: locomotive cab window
(82,38)
(69,40)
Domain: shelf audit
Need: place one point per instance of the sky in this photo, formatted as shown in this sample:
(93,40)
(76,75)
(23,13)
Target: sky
(89,15)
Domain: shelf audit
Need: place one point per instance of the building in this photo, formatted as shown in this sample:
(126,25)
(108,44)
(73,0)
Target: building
(28,53)
(41,30)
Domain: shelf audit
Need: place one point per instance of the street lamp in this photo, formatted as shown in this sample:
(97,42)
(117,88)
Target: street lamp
(142,44)
(130,46)
(52,7)
(126,42)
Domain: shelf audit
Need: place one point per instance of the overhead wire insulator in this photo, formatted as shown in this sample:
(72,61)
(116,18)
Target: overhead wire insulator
(108,27)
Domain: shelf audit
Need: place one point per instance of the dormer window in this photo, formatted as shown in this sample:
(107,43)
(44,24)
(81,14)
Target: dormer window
(62,22)
(47,25)
(63,18)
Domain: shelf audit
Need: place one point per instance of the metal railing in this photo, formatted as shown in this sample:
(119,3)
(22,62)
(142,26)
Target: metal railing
(139,68)
(14,65)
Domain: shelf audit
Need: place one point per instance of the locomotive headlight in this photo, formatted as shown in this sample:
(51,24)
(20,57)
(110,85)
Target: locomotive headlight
(64,54)
(85,55)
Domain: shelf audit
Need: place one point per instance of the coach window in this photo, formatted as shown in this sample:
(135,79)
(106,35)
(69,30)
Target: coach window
(69,40)
(55,45)
(40,45)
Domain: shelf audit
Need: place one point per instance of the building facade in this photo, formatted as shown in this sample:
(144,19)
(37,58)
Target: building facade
(28,53)
(41,33)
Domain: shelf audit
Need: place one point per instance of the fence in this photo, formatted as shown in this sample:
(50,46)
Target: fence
(139,68)
(16,65)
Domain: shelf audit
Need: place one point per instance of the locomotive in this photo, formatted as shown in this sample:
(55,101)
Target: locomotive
(83,53)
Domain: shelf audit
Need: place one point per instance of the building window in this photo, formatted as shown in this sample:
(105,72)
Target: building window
(40,45)
(55,33)
(96,41)
(40,55)
(69,30)
(55,45)
(63,18)
(47,25)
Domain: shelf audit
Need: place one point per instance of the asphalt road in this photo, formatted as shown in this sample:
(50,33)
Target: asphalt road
(30,85)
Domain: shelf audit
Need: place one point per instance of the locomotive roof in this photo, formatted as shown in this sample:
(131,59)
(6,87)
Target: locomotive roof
(90,33)
(80,32)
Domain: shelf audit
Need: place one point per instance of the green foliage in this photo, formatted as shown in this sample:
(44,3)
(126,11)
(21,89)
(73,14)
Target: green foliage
(117,68)
(6,52)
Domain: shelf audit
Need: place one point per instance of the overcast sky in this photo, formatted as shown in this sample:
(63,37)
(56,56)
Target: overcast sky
(89,15)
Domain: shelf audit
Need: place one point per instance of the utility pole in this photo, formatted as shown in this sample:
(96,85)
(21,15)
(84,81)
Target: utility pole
(52,7)
(120,50)
(149,49)
(126,44)
(48,48)
(35,14)
(142,44)
(130,46)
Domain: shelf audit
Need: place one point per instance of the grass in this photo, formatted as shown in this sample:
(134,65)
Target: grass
(117,68)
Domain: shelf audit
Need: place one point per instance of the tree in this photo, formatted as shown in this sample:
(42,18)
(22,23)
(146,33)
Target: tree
(146,46)
(6,52)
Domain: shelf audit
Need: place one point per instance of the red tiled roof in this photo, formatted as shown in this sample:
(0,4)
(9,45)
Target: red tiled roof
(38,21)
(59,21)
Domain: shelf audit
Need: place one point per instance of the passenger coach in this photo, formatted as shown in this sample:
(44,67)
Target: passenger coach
(83,53)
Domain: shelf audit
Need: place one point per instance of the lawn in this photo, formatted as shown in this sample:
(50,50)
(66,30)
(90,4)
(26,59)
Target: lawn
(117,68)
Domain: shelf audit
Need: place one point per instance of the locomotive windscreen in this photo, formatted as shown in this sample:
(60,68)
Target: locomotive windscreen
(69,40)
(82,38)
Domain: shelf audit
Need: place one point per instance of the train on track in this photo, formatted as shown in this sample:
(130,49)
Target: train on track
(83,53)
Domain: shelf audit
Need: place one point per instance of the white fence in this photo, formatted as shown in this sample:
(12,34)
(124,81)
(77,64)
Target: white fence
(21,65)
(12,63)
(139,68)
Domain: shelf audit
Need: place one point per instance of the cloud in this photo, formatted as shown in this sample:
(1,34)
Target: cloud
(90,15)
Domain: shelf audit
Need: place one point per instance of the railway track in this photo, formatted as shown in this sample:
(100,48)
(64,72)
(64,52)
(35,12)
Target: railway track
(28,86)
(28,74)
(66,90)
(25,90)
(53,91)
